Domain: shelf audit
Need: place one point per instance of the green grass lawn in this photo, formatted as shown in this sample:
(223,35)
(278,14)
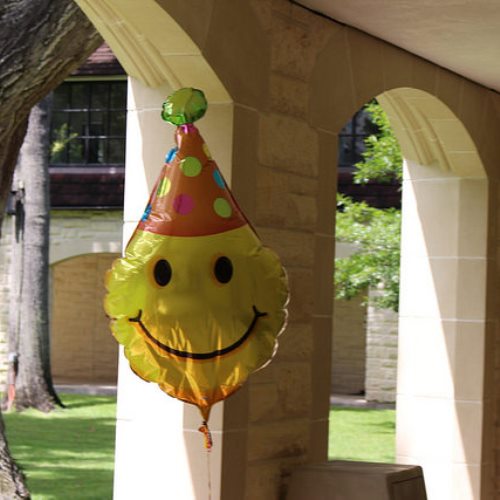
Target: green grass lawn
(67,454)
(362,434)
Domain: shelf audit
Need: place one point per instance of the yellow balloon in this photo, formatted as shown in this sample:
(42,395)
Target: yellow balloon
(197,301)
(197,315)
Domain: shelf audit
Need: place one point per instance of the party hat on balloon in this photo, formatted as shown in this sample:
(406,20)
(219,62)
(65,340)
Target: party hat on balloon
(191,197)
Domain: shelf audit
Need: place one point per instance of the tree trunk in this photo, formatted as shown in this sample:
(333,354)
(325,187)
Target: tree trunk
(33,385)
(12,480)
(41,43)
(15,289)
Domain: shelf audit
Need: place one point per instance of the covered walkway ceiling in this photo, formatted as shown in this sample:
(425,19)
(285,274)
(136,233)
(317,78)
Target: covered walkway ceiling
(460,35)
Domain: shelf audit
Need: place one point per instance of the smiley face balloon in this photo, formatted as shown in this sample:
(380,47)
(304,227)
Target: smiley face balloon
(197,301)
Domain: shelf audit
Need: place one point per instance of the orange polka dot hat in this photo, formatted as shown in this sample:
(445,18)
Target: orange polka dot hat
(191,197)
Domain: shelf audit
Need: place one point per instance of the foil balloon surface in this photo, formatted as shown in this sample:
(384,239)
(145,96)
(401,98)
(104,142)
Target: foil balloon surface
(197,301)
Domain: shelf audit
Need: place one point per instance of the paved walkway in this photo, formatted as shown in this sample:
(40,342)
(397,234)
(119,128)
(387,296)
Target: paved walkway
(348,401)
(343,400)
(90,389)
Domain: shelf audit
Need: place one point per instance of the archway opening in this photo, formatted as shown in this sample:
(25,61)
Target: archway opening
(364,344)
(442,308)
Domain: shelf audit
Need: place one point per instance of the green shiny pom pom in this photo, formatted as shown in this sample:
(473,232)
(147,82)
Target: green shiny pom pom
(184,106)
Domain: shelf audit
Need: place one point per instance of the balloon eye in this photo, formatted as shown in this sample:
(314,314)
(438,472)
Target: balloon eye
(162,272)
(223,270)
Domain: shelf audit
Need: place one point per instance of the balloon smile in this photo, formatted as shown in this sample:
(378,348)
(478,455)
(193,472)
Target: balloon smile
(199,355)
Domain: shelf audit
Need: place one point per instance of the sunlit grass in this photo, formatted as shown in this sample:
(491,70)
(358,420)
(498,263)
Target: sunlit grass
(67,454)
(362,434)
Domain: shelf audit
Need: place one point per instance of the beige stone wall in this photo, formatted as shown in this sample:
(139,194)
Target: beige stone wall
(349,346)
(82,347)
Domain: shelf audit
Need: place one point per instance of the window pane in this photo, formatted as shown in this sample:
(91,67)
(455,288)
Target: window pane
(58,152)
(118,95)
(77,123)
(359,147)
(116,152)
(364,124)
(76,149)
(347,128)
(79,96)
(117,123)
(59,125)
(93,129)
(99,96)
(61,97)
(58,137)
(98,123)
(58,156)
(96,151)
(360,122)
(345,151)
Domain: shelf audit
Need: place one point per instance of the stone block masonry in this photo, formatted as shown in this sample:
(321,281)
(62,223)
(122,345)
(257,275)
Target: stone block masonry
(349,346)
(381,352)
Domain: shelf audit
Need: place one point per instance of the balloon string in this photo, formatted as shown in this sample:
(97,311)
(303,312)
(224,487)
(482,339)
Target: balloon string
(209,475)
(207,435)
(208,446)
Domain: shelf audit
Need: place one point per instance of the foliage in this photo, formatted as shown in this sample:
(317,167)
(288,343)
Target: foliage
(382,159)
(61,140)
(362,434)
(375,232)
(67,453)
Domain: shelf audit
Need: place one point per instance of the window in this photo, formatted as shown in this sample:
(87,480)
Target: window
(88,123)
(352,139)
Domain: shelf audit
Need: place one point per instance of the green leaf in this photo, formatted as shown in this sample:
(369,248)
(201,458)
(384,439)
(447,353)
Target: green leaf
(376,232)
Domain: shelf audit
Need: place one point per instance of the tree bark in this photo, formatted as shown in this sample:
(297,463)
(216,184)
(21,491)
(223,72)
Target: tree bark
(15,289)
(33,385)
(41,43)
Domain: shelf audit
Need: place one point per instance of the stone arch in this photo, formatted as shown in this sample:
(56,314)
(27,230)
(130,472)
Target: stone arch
(67,250)
(443,314)
(82,349)
(173,43)
(446,125)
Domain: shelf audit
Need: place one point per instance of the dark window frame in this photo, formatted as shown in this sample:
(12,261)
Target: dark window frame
(93,143)
(351,140)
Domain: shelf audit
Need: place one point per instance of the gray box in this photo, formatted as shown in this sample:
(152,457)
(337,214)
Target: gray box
(345,480)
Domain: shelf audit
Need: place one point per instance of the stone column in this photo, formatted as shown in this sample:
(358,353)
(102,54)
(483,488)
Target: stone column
(159,451)
(442,326)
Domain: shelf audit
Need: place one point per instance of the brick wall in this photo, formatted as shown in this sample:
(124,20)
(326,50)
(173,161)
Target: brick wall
(381,352)
(349,346)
